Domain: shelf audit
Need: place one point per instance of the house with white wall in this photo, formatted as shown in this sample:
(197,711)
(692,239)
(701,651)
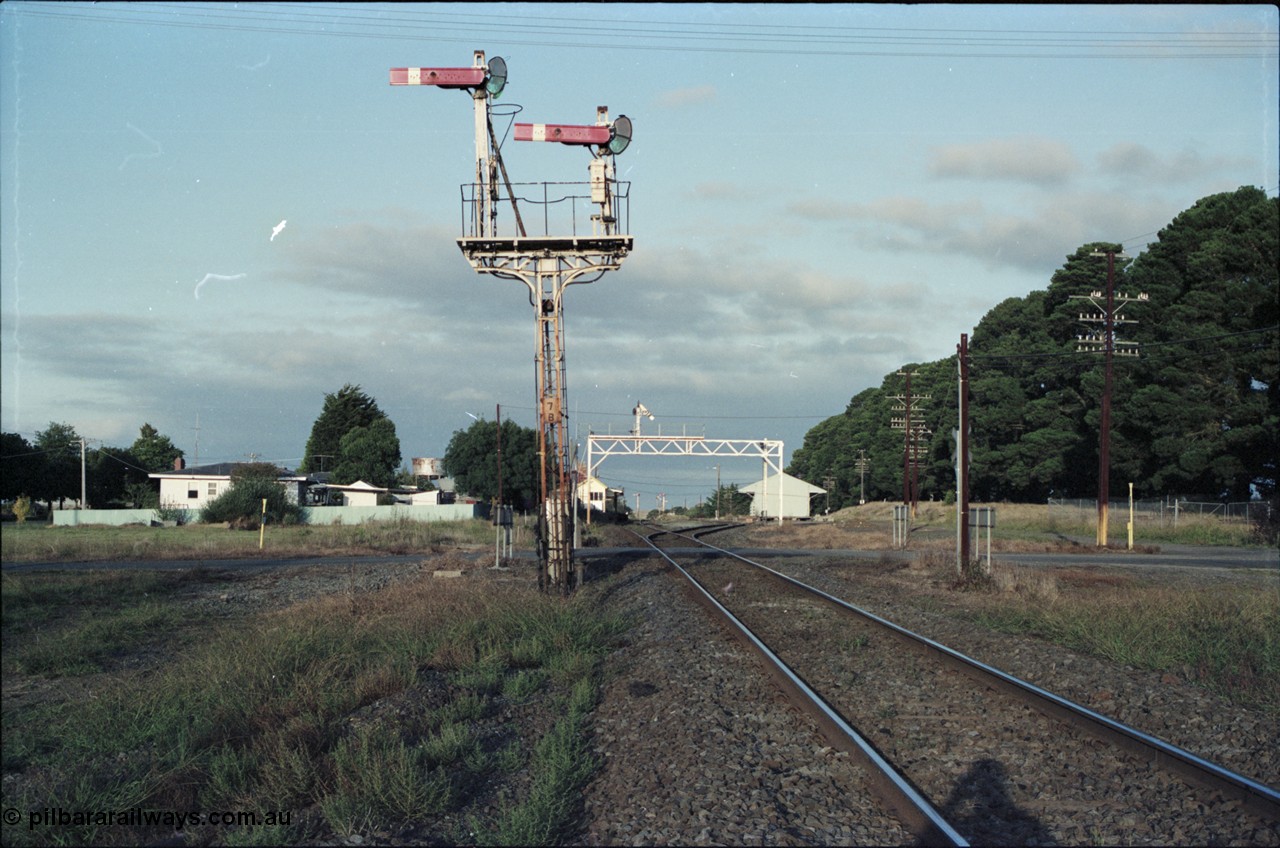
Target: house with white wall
(193,488)
(358,493)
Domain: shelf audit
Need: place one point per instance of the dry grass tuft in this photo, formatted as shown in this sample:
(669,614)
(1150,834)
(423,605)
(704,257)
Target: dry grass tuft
(1030,583)
(1093,578)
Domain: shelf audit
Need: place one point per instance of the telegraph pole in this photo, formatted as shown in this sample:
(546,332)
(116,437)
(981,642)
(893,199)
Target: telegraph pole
(962,458)
(862,475)
(910,496)
(717,493)
(84,491)
(197,429)
(1106,343)
(919,433)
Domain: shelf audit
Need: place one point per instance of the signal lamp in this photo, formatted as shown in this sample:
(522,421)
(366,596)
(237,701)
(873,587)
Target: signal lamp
(496,80)
(620,134)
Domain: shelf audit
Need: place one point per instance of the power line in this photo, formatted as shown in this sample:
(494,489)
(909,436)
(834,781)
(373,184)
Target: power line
(428,26)
(1145,345)
(689,416)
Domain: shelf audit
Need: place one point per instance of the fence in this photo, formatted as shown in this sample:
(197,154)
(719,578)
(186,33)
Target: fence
(572,204)
(1162,512)
(311,515)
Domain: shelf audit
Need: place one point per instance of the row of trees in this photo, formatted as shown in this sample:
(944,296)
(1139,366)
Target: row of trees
(1196,414)
(351,439)
(49,469)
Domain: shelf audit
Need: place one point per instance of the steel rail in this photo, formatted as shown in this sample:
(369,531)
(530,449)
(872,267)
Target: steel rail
(1253,795)
(891,787)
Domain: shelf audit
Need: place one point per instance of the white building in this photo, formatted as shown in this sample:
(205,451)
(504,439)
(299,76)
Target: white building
(600,497)
(358,493)
(194,488)
(794,499)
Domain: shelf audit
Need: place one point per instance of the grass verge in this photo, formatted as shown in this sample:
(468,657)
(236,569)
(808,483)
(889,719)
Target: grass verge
(1226,638)
(56,626)
(430,709)
(45,543)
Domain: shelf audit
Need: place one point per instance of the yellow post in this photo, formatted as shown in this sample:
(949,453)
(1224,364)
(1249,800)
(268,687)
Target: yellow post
(262,527)
(1130,516)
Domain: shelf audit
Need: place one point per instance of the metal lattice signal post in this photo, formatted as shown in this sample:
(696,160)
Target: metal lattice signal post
(1105,342)
(547,264)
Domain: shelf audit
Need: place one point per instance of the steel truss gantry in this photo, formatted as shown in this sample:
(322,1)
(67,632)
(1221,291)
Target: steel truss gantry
(770,450)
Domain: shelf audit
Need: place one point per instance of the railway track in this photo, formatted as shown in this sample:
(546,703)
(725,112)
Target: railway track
(963,752)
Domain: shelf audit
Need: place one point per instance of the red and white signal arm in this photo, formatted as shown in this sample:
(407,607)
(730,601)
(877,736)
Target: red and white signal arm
(565,133)
(442,77)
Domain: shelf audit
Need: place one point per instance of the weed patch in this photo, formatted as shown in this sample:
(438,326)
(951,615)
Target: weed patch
(260,713)
(1228,639)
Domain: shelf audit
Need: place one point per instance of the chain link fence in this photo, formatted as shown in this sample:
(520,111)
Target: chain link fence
(1161,512)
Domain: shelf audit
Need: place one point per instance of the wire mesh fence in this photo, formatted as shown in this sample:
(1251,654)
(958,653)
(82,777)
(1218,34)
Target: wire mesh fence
(1162,512)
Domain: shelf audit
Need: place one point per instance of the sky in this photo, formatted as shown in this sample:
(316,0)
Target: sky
(213,215)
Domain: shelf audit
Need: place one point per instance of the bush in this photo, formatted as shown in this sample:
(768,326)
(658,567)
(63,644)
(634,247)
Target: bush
(242,503)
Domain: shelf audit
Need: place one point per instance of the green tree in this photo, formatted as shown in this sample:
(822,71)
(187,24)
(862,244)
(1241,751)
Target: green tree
(830,449)
(732,503)
(1035,400)
(241,504)
(59,475)
(1198,413)
(370,453)
(343,411)
(472,461)
(1207,412)
(256,471)
(153,450)
(112,476)
(20,466)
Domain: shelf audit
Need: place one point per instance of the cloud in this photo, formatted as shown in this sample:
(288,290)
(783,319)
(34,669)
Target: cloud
(379,263)
(720,190)
(1038,161)
(1036,238)
(94,345)
(682,97)
(1139,162)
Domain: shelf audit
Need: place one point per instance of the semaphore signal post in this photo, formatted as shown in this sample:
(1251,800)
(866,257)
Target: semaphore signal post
(563,253)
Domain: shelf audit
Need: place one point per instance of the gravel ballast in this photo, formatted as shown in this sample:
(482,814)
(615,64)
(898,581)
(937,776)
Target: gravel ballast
(690,757)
